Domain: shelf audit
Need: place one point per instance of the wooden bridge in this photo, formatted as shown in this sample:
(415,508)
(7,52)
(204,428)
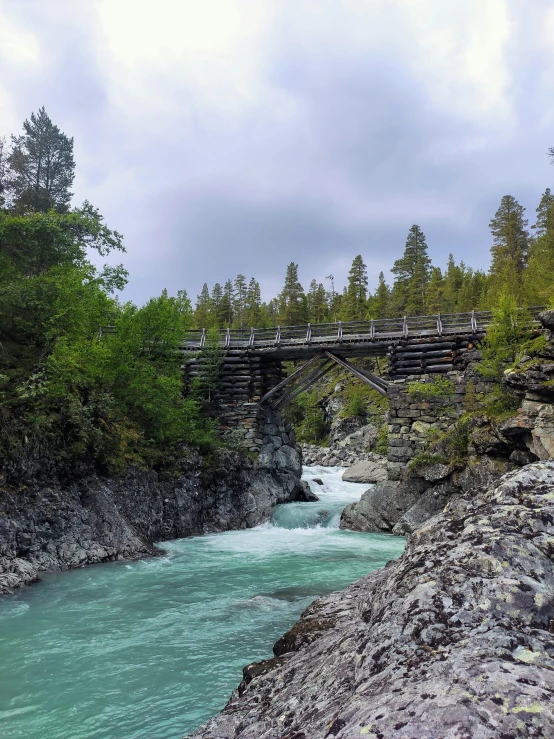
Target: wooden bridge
(251,368)
(413,345)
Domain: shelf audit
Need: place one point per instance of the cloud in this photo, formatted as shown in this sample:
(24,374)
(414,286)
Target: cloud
(233,136)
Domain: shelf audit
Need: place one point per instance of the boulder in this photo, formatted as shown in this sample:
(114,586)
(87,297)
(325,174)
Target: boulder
(365,472)
(380,507)
(305,493)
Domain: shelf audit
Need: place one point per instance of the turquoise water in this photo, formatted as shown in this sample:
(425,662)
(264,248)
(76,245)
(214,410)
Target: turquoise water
(151,649)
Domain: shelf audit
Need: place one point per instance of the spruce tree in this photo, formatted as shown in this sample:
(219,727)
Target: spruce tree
(538,278)
(545,215)
(292,301)
(42,167)
(412,274)
(380,301)
(239,300)
(355,307)
(511,240)
(433,295)
(217,298)
(453,279)
(203,312)
(226,308)
(252,312)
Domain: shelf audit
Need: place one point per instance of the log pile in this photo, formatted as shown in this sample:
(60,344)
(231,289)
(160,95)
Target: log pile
(428,355)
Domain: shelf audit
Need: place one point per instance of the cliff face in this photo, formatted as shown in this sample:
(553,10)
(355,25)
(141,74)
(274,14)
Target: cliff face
(455,639)
(48,527)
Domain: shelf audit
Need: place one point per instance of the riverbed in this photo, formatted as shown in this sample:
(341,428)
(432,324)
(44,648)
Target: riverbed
(151,649)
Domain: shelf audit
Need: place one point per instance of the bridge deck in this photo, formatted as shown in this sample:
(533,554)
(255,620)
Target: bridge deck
(358,337)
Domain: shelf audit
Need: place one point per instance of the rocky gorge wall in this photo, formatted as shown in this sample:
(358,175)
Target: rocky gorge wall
(455,639)
(50,527)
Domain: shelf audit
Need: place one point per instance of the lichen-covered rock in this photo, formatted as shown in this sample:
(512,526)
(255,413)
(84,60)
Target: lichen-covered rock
(453,640)
(367,472)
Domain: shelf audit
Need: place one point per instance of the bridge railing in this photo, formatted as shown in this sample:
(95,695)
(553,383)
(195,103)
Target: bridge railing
(382,329)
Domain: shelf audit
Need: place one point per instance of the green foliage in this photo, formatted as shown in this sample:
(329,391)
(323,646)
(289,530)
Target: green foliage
(312,428)
(452,444)
(212,359)
(356,400)
(438,387)
(355,304)
(509,329)
(41,167)
(412,272)
(500,402)
(382,444)
(426,459)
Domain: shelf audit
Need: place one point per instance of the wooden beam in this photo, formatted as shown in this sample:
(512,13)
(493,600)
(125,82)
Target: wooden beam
(375,382)
(290,377)
(303,385)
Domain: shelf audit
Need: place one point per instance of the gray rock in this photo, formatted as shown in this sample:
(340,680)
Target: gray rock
(365,472)
(455,639)
(306,493)
(48,527)
(380,507)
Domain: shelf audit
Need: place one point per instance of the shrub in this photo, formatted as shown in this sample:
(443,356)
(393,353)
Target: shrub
(438,387)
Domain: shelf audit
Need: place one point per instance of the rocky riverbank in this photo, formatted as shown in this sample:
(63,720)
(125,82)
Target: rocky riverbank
(50,527)
(454,639)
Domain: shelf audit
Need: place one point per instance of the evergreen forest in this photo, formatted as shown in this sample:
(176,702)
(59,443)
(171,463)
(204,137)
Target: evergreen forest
(91,382)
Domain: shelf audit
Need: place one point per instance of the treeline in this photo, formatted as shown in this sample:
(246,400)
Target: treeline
(522,266)
(74,398)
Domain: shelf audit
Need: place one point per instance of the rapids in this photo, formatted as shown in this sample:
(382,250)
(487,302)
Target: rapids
(151,649)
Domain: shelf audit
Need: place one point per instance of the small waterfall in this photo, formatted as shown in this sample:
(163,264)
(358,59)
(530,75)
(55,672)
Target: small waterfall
(333,494)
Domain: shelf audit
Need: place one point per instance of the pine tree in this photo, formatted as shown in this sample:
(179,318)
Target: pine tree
(226,307)
(453,279)
(292,301)
(203,312)
(355,307)
(511,240)
(412,274)
(41,167)
(380,303)
(252,312)
(239,300)
(217,300)
(538,278)
(433,295)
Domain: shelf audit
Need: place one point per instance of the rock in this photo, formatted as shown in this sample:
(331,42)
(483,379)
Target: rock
(547,319)
(317,480)
(521,457)
(454,639)
(380,507)
(54,526)
(434,472)
(306,494)
(365,472)
(420,427)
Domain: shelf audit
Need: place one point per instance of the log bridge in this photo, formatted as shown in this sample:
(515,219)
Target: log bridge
(251,381)
(252,359)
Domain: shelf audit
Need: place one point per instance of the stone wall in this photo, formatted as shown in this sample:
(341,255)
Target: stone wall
(413,418)
(242,380)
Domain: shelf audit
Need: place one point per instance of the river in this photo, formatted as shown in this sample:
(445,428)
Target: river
(151,649)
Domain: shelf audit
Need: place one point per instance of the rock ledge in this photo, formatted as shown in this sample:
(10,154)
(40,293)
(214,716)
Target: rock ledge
(455,639)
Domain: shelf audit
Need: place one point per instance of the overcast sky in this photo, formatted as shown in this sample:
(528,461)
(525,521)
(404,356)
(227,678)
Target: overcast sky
(227,136)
